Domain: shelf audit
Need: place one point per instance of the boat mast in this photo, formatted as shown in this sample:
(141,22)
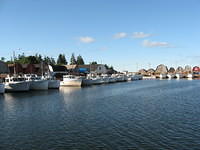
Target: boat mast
(42,69)
(14,62)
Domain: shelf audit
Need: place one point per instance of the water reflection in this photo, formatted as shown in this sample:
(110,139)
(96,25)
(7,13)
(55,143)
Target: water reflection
(69,90)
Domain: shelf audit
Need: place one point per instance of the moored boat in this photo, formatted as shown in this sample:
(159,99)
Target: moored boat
(170,76)
(53,84)
(178,76)
(71,80)
(16,84)
(189,76)
(137,77)
(87,82)
(36,82)
(163,76)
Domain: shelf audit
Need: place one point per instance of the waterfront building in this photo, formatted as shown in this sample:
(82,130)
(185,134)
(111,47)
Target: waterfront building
(196,72)
(143,72)
(93,68)
(4,70)
(161,69)
(38,69)
(188,69)
(171,70)
(180,70)
(150,72)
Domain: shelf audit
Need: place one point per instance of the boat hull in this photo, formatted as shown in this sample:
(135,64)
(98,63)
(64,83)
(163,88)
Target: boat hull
(76,82)
(53,84)
(112,80)
(97,81)
(17,87)
(87,82)
(39,85)
(2,88)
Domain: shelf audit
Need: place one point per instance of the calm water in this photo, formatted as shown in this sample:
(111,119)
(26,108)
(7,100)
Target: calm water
(150,115)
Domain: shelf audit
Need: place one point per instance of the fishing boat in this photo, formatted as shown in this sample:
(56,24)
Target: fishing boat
(189,76)
(71,80)
(163,76)
(105,78)
(170,76)
(52,82)
(178,75)
(97,80)
(2,88)
(37,82)
(87,82)
(16,84)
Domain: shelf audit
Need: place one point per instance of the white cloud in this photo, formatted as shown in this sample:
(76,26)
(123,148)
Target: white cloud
(147,43)
(141,35)
(86,39)
(120,35)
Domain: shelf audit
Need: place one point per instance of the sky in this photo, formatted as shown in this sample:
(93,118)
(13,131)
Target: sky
(127,34)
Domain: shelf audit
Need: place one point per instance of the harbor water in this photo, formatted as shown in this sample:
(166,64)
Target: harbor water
(147,114)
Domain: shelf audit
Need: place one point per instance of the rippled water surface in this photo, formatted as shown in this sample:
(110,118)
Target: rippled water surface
(148,115)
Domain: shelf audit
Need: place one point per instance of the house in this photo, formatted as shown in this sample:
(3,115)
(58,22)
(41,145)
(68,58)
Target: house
(93,68)
(4,70)
(38,69)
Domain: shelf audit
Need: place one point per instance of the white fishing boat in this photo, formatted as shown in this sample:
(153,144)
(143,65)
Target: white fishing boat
(178,76)
(16,84)
(120,78)
(87,82)
(189,76)
(105,78)
(2,88)
(170,76)
(37,82)
(112,79)
(137,77)
(163,76)
(71,80)
(52,82)
(97,80)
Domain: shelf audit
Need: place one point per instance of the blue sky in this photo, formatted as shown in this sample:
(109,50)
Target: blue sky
(128,34)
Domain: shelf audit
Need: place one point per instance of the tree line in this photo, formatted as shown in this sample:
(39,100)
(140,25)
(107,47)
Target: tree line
(37,58)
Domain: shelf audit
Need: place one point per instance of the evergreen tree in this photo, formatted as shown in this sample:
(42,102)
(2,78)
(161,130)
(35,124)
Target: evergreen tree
(61,60)
(73,60)
(3,59)
(49,60)
(80,60)
(93,63)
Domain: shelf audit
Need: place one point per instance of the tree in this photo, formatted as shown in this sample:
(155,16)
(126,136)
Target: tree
(93,63)
(38,58)
(3,58)
(61,60)
(80,60)
(107,67)
(49,60)
(73,60)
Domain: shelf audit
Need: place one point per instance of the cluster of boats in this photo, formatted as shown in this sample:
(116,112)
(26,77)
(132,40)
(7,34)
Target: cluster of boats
(28,82)
(175,76)
(189,76)
(33,82)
